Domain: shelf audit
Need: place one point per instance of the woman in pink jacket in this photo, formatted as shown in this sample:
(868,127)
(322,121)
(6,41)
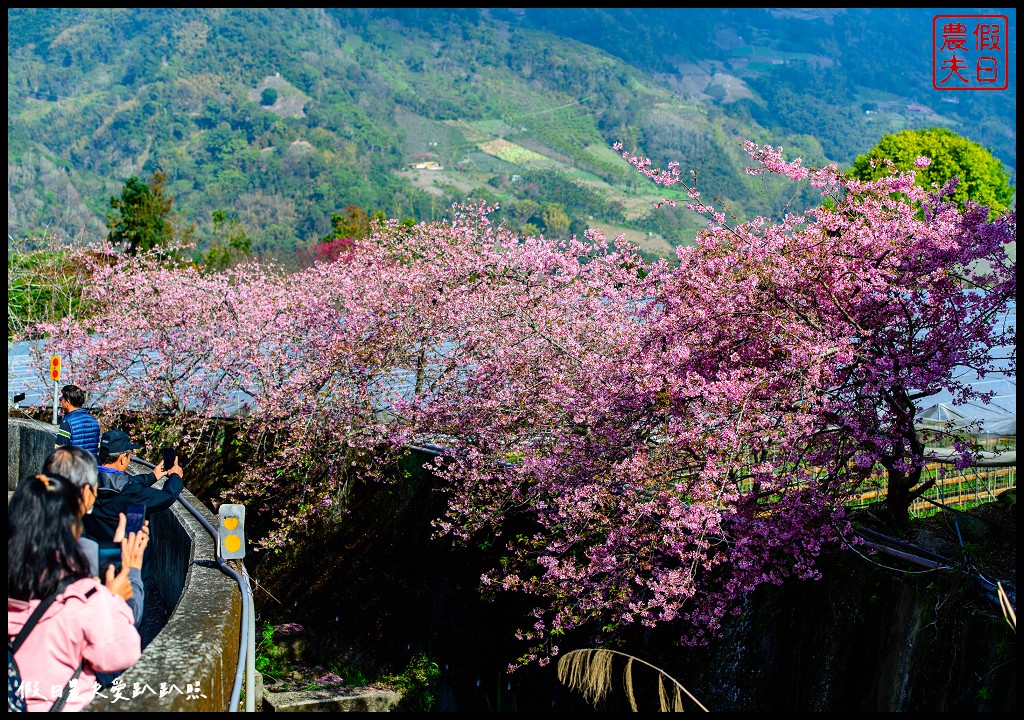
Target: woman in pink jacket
(87,625)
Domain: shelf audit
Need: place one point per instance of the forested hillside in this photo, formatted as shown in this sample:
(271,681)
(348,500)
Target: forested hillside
(280,118)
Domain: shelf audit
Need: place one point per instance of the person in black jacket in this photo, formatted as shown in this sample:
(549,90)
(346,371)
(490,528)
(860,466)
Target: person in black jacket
(79,466)
(118,489)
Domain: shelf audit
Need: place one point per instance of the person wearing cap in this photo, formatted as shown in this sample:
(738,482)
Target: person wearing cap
(79,467)
(118,489)
(78,428)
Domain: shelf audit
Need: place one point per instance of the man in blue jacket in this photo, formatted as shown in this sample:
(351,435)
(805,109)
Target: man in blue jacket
(78,428)
(118,489)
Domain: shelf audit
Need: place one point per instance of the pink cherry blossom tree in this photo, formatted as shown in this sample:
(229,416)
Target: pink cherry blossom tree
(902,290)
(642,443)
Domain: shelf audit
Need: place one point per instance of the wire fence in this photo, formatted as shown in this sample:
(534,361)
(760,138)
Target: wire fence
(969,486)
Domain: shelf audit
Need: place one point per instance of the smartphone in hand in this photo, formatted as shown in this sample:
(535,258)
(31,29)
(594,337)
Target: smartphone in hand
(136,516)
(170,457)
(109,554)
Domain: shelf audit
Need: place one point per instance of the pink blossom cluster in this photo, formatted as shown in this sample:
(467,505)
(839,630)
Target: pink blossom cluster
(646,441)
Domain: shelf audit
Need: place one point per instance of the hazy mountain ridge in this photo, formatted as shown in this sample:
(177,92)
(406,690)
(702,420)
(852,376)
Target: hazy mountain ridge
(500,102)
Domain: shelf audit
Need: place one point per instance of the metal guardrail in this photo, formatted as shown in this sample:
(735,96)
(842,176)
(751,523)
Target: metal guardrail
(246,666)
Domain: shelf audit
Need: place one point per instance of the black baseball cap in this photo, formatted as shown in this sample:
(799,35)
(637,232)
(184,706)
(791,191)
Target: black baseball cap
(115,442)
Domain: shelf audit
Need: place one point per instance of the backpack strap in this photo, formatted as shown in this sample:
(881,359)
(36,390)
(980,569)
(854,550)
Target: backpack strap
(16,643)
(31,622)
(58,704)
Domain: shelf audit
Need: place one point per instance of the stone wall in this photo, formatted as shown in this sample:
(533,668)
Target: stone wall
(28,444)
(861,639)
(866,637)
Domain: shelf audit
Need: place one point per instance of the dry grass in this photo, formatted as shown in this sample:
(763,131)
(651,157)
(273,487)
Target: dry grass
(590,672)
(1008,612)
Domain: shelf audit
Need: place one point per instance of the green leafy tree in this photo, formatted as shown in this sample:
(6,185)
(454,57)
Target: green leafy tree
(523,211)
(556,222)
(529,230)
(577,226)
(982,177)
(231,242)
(353,223)
(45,283)
(269,97)
(347,227)
(141,216)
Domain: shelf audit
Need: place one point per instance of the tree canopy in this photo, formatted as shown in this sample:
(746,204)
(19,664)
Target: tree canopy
(982,178)
(140,219)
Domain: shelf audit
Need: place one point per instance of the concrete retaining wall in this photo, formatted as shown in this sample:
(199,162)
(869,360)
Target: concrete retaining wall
(192,661)
(28,444)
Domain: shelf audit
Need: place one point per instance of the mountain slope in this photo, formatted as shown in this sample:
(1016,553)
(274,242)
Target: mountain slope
(282,117)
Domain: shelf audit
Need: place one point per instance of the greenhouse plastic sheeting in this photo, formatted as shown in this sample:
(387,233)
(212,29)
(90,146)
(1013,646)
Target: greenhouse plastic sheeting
(998,416)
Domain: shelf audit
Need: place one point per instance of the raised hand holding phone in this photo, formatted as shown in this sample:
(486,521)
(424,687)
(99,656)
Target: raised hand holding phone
(133,548)
(136,516)
(170,456)
(109,555)
(117,581)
